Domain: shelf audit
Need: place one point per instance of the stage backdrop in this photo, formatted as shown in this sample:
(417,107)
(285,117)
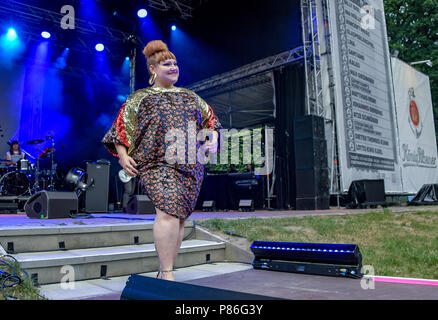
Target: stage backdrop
(418,150)
(365,115)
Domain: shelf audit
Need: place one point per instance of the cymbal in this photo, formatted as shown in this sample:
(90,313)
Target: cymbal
(37,141)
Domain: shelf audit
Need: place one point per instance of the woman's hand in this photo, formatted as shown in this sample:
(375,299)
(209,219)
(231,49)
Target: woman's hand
(128,164)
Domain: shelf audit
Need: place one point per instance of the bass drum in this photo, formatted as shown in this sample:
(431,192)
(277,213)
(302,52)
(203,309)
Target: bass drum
(14,184)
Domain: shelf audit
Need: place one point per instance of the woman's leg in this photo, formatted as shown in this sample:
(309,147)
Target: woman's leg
(166,238)
(180,239)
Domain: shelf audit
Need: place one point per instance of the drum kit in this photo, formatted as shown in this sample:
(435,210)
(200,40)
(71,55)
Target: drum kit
(27,177)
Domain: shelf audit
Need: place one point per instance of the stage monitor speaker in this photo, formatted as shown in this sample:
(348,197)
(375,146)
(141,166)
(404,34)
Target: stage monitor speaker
(309,126)
(140,204)
(364,193)
(51,205)
(313,182)
(148,288)
(96,197)
(428,194)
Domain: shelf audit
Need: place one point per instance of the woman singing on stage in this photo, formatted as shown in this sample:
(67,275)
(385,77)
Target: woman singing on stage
(138,137)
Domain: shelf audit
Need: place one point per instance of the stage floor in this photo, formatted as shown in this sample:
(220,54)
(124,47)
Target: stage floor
(294,286)
(21,220)
(241,278)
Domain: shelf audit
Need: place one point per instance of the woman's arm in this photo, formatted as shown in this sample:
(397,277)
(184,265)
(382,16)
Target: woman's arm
(126,162)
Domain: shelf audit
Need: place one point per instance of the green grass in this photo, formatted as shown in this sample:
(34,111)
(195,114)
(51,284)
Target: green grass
(402,245)
(23,291)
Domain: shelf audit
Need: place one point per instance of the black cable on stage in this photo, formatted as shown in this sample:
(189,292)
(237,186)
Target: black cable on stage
(9,280)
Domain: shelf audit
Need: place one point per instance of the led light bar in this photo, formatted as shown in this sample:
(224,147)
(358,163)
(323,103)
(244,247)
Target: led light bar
(339,254)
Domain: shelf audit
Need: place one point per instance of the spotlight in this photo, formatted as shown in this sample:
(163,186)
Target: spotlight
(100,47)
(173,28)
(77,178)
(45,34)
(127,58)
(11,35)
(142,13)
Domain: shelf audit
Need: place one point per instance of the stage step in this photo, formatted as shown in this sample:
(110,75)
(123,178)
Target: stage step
(94,263)
(78,236)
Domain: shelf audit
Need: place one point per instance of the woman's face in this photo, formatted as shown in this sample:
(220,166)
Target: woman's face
(15,147)
(167,72)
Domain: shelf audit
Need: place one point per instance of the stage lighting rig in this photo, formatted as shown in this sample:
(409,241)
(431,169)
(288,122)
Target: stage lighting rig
(340,260)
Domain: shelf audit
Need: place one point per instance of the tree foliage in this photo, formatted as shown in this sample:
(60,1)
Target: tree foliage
(413,31)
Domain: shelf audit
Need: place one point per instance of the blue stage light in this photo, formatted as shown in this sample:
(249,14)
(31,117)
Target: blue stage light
(173,28)
(142,13)
(11,35)
(100,47)
(127,58)
(313,258)
(45,34)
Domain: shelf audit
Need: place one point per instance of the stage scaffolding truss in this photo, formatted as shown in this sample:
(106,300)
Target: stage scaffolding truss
(82,37)
(183,7)
(319,78)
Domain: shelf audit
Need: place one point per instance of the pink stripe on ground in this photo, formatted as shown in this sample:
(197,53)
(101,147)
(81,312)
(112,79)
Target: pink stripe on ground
(407,281)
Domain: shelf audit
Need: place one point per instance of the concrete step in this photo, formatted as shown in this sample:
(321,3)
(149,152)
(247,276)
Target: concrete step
(94,263)
(79,236)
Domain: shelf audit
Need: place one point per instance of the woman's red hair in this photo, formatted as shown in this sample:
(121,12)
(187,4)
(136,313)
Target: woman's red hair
(157,51)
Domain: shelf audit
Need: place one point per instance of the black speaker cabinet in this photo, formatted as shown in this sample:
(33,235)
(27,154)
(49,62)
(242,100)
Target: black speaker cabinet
(313,203)
(51,205)
(312,182)
(140,204)
(96,198)
(309,126)
(364,193)
(311,152)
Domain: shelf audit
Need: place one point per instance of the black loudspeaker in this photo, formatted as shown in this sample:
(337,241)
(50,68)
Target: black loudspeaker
(428,194)
(140,204)
(313,203)
(311,163)
(363,193)
(313,182)
(309,126)
(311,152)
(96,197)
(148,288)
(51,205)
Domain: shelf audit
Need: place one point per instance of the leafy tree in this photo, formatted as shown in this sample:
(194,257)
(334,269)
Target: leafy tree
(412,30)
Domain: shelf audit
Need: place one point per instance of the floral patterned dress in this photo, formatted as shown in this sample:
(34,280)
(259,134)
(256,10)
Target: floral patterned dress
(159,127)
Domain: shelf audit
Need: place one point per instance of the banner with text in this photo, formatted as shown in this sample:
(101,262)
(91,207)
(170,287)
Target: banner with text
(365,111)
(418,150)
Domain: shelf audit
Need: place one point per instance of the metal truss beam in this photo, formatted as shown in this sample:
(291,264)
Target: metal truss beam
(249,70)
(185,8)
(319,77)
(33,19)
